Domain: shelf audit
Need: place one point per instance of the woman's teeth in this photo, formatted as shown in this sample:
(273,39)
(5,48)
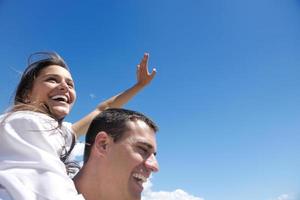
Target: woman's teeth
(60,98)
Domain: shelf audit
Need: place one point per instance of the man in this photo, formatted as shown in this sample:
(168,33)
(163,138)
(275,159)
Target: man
(119,156)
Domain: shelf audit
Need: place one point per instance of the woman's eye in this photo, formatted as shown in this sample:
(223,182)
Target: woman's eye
(71,85)
(51,80)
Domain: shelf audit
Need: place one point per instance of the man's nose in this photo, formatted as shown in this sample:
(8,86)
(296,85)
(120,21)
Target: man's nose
(151,163)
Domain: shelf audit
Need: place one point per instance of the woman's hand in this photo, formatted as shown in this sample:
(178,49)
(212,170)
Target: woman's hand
(142,72)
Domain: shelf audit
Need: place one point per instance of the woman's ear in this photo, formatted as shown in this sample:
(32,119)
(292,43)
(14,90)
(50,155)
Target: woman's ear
(26,98)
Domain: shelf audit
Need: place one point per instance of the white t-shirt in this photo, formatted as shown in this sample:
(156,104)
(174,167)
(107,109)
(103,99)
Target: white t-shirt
(30,167)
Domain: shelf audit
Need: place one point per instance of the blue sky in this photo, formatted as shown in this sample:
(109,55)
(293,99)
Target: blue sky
(226,95)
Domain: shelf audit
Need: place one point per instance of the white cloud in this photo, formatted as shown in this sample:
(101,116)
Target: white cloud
(77,152)
(177,194)
(283,197)
(288,197)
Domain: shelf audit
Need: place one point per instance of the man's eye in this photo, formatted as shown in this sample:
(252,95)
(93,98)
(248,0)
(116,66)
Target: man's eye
(143,150)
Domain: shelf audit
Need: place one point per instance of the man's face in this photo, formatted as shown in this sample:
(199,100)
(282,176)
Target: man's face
(131,160)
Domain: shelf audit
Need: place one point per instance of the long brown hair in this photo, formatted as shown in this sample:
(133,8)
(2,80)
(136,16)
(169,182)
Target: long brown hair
(29,75)
(36,62)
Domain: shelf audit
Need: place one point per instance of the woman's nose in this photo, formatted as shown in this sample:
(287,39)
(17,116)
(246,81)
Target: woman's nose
(63,86)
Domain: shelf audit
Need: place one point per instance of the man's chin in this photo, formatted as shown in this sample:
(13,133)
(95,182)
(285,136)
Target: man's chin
(136,191)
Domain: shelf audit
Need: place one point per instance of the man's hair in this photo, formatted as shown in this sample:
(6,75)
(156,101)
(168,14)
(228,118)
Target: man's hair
(113,121)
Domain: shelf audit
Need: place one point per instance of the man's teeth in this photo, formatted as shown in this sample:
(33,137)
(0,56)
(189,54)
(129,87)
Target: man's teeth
(140,177)
(60,98)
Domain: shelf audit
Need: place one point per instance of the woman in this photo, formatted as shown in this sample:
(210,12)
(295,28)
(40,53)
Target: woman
(35,141)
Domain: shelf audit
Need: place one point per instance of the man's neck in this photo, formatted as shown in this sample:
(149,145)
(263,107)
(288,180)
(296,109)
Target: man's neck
(86,186)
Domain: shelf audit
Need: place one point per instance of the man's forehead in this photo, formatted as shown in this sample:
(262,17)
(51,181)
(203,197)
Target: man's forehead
(140,132)
(141,140)
(149,141)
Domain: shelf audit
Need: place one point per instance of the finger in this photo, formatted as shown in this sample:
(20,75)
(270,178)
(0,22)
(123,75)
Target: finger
(153,73)
(144,60)
(143,69)
(138,67)
(146,56)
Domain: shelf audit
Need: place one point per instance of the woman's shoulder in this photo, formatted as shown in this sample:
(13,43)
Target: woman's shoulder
(24,116)
(29,118)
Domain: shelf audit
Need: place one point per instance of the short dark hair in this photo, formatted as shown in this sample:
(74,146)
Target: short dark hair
(113,122)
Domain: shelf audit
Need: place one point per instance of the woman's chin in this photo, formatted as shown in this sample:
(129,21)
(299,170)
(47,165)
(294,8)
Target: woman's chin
(60,113)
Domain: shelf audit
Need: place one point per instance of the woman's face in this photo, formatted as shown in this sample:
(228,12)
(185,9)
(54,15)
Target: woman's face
(53,87)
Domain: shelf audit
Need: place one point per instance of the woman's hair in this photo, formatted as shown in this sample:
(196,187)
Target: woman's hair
(37,62)
(33,69)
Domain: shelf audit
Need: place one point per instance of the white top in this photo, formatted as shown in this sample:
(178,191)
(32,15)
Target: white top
(30,167)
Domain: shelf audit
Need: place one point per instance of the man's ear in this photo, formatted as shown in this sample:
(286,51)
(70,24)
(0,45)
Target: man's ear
(102,141)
